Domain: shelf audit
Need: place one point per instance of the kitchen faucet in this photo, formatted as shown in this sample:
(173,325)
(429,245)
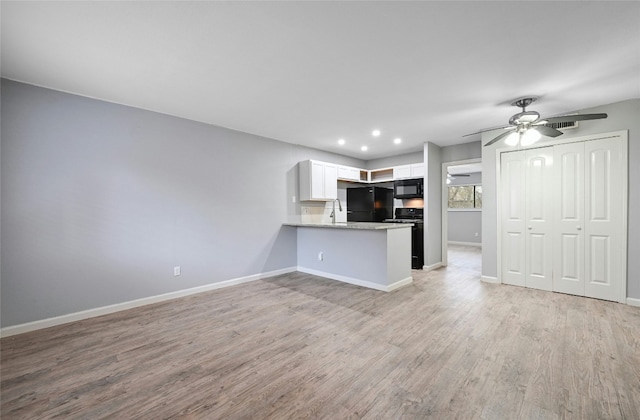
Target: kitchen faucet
(333,212)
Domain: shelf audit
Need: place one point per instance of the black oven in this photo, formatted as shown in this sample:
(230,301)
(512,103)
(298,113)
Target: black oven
(408,188)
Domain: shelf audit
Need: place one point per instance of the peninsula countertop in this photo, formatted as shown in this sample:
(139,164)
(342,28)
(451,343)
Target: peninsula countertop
(352,225)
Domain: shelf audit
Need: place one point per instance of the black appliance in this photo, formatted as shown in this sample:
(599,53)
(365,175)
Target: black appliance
(408,188)
(369,204)
(415,216)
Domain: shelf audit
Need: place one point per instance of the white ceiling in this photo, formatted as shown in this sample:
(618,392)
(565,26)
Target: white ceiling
(312,72)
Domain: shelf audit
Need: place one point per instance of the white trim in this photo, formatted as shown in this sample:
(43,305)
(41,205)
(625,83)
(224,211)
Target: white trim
(478,244)
(104,310)
(357,282)
(633,302)
(489,279)
(623,135)
(433,266)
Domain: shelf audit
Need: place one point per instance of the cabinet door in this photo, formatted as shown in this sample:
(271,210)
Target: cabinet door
(400,172)
(330,181)
(568,246)
(417,170)
(539,218)
(348,173)
(317,180)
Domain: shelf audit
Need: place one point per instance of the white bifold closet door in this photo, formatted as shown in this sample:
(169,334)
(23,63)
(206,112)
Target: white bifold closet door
(588,249)
(527,214)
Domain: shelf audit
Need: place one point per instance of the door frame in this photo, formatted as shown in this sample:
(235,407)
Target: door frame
(445,203)
(623,135)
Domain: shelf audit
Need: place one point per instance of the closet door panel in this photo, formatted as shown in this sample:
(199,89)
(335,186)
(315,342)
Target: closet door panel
(603,215)
(513,218)
(568,242)
(539,218)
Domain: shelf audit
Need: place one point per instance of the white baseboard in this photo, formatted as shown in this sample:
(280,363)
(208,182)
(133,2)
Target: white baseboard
(432,266)
(633,302)
(478,244)
(489,279)
(104,310)
(358,282)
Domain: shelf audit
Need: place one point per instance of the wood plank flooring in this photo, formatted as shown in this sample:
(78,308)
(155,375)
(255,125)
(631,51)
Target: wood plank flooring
(294,346)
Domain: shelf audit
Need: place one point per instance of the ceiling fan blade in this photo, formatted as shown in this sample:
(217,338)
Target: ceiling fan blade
(501,136)
(571,118)
(488,129)
(547,131)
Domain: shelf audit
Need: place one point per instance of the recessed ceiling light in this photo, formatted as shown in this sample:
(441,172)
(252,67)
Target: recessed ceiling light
(397,140)
(341,142)
(364,148)
(375,133)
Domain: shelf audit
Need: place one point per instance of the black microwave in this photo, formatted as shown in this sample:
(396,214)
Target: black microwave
(408,188)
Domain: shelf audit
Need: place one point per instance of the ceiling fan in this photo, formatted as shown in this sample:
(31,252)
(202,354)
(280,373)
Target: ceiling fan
(527,127)
(454,176)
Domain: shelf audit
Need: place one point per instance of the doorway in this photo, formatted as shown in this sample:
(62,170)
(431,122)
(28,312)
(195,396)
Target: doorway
(462,214)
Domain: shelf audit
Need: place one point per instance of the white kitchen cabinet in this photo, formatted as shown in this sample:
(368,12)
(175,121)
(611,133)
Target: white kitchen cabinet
(400,172)
(415,170)
(347,173)
(318,181)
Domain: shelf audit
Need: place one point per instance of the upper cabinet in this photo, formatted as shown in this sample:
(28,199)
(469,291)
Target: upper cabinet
(348,173)
(318,181)
(415,170)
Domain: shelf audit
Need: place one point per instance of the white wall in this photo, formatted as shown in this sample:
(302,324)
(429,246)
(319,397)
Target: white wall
(622,116)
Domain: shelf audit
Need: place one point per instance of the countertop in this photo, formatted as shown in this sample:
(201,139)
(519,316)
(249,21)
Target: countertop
(352,225)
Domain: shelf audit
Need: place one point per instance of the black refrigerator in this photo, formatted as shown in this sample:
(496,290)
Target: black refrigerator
(369,204)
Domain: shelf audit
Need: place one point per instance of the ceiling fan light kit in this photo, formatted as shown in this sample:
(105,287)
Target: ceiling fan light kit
(526,127)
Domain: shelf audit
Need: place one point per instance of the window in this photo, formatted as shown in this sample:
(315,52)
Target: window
(465,197)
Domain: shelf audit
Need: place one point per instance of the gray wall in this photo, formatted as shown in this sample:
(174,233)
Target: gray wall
(433,205)
(622,116)
(397,160)
(100,201)
(462,151)
(462,226)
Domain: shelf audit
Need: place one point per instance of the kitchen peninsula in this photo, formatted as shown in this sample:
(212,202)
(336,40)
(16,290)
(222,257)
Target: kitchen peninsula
(373,255)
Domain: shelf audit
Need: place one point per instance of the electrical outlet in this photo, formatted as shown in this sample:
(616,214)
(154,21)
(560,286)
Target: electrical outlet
(176,270)
(293,199)
(476,234)
(320,256)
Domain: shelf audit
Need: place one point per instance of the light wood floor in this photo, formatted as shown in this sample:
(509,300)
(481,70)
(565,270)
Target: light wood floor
(447,346)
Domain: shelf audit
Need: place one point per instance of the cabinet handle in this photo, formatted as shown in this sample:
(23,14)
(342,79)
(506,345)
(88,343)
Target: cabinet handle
(579,228)
(529,228)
